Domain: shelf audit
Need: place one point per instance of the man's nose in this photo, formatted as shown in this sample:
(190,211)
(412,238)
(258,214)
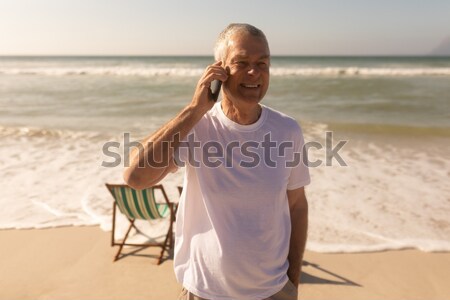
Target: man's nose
(254,70)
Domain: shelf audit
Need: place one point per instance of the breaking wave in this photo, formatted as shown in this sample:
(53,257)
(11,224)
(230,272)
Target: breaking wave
(193,72)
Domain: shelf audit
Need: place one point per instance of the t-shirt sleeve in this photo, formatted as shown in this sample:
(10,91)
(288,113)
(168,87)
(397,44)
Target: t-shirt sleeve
(299,175)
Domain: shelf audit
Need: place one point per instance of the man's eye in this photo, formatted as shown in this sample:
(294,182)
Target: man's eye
(262,64)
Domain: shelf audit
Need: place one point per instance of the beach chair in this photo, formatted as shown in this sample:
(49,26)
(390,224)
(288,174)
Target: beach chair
(141,204)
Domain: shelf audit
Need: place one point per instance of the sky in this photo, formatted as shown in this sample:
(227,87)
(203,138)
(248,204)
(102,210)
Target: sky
(190,27)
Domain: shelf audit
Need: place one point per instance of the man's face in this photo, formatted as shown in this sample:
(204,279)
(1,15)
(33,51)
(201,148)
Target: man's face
(248,61)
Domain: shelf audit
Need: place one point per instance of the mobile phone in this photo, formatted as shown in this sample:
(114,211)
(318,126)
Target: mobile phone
(215,89)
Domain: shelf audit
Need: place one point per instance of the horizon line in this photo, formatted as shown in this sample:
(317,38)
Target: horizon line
(211,55)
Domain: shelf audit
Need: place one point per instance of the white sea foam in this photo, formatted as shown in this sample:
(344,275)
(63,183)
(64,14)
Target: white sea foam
(359,71)
(388,197)
(195,72)
(115,71)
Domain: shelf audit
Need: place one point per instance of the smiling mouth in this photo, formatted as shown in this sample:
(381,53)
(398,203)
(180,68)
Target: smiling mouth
(251,86)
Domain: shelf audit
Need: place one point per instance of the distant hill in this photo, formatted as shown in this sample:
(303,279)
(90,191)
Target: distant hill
(443,49)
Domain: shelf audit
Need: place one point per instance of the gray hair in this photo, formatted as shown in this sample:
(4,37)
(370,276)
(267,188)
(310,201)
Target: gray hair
(223,41)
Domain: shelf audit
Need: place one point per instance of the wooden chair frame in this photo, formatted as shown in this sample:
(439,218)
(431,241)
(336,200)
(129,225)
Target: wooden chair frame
(168,243)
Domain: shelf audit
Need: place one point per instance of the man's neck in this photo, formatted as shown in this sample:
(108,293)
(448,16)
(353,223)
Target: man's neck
(244,114)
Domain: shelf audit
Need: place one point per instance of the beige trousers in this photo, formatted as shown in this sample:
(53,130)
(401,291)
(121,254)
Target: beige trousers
(288,292)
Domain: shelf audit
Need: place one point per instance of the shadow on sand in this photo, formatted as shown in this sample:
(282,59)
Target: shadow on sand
(311,279)
(304,279)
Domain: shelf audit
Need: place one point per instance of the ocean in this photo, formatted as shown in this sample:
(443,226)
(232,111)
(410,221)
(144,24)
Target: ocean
(392,113)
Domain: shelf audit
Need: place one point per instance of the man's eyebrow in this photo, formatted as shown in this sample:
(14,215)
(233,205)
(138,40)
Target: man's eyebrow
(237,57)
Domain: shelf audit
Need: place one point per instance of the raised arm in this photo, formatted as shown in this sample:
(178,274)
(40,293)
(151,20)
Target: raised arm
(298,206)
(154,161)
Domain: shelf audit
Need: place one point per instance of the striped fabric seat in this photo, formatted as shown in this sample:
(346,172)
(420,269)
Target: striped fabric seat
(142,205)
(137,204)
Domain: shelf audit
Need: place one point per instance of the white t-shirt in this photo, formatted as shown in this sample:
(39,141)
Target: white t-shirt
(233,222)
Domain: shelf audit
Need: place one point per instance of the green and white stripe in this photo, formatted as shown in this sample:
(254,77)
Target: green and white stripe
(137,204)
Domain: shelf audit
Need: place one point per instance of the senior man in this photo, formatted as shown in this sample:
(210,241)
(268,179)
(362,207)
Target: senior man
(242,218)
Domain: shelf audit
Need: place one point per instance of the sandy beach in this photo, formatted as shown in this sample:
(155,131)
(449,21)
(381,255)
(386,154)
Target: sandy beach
(77,263)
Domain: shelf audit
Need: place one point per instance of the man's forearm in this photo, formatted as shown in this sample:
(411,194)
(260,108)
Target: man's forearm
(299,223)
(150,162)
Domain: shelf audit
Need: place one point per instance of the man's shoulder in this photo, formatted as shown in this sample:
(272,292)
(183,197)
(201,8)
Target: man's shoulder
(282,119)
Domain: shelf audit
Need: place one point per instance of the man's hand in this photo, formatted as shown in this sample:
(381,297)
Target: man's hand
(202,99)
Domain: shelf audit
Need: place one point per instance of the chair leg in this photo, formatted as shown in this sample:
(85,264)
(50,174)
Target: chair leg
(163,249)
(171,240)
(124,240)
(164,245)
(161,255)
(113,224)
